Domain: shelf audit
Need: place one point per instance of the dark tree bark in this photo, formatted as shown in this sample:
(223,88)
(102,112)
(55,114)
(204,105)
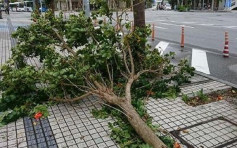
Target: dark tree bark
(139,13)
(37,4)
(51,5)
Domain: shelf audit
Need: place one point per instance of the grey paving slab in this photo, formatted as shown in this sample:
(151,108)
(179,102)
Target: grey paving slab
(5,42)
(173,114)
(207,87)
(75,125)
(214,134)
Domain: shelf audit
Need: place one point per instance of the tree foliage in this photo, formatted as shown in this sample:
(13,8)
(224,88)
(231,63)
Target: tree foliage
(75,59)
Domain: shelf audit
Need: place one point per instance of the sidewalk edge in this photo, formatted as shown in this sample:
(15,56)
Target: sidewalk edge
(216,79)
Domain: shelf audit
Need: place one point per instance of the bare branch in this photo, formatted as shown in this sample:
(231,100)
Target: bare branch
(128,89)
(110,75)
(71,100)
(64,43)
(131,60)
(114,108)
(146,71)
(125,61)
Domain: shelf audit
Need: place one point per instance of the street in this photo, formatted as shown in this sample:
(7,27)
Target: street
(202,29)
(203,32)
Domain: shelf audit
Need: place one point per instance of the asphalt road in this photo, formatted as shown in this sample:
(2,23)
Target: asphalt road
(202,29)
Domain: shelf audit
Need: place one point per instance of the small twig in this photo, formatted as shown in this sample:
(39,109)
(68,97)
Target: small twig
(71,100)
(64,43)
(110,75)
(114,108)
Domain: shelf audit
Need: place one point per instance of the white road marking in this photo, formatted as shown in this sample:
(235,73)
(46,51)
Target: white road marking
(188,22)
(161,46)
(160,27)
(186,26)
(156,21)
(230,26)
(199,61)
(177,25)
(207,24)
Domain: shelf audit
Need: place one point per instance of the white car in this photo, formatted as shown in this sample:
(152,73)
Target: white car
(167,7)
(21,9)
(154,7)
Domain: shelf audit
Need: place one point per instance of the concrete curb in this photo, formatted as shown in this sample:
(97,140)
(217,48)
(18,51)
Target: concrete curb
(216,79)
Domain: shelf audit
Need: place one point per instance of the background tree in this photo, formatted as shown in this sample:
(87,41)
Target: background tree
(139,13)
(50,4)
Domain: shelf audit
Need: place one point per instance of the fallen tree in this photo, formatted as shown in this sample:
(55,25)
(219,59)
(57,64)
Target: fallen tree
(76,60)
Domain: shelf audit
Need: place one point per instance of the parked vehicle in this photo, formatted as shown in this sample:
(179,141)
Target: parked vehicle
(167,6)
(28,5)
(44,9)
(17,6)
(2,7)
(154,7)
(25,6)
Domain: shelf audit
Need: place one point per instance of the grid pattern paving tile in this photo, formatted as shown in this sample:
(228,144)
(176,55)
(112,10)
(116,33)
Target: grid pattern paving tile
(198,78)
(39,133)
(74,125)
(234,145)
(211,134)
(5,42)
(174,114)
(13,135)
(207,87)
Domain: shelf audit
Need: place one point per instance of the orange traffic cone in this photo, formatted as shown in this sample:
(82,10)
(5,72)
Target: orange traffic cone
(226,47)
(182,38)
(153,33)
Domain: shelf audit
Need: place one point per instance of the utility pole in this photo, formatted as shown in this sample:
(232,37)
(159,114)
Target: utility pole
(86,7)
(202,4)
(212,5)
(0,13)
(70,5)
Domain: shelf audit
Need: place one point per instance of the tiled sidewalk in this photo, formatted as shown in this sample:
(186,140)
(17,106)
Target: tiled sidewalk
(72,125)
(5,42)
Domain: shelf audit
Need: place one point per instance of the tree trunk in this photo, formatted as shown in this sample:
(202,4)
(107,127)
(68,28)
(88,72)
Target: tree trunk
(139,13)
(141,127)
(51,5)
(212,5)
(80,4)
(37,6)
(70,5)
